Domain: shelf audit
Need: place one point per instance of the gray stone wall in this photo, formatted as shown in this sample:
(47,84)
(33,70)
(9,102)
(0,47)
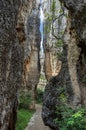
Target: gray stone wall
(11,61)
(73,68)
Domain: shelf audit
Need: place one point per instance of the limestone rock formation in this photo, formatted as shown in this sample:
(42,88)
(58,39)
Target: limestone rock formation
(11,61)
(24,11)
(73,70)
(32,53)
(76,48)
(51,94)
(10,64)
(29,36)
(54,26)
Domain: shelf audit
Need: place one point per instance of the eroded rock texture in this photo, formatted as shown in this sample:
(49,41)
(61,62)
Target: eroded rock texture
(32,57)
(73,69)
(76,41)
(54,26)
(11,61)
(29,36)
(51,94)
(25,9)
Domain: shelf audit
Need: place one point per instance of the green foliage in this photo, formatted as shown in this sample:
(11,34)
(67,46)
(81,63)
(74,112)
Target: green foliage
(24,114)
(69,118)
(59,45)
(50,16)
(61,90)
(42,77)
(39,96)
(84,79)
(48,25)
(60,11)
(24,100)
(24,117)
(53,6)
(62,95)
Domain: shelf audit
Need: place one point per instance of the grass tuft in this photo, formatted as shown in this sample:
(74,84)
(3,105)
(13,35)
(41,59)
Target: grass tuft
(23,117)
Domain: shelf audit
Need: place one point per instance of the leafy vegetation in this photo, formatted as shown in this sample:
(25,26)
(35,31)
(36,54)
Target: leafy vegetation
(24,99)
(42,77)
(52,18)
(24,113)
(84,79)
(69,118)
(39,96)
(53,6)
(59,44)
(24,117)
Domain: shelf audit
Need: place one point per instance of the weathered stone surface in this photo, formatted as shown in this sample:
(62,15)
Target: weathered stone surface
(76,45)
(32,53)
(51,94)
(32,61)
(52,64)
(54,26)
(73,64)
(25,9)
(11,62)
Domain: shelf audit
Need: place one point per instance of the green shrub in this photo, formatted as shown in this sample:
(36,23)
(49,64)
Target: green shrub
(23,117)
(67,117)
(84,79)
(39,96)
(42,77)
(71,119)
(24,99)
(23,114)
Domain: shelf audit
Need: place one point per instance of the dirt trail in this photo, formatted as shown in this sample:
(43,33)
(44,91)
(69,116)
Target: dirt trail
(36,122)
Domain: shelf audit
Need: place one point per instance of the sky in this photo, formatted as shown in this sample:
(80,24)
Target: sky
(41,26)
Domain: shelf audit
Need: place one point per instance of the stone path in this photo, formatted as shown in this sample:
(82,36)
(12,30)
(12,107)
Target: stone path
(36,122)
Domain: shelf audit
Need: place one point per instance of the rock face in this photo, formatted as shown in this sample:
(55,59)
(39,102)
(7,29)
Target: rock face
(24,11)
(29,36)
(32,53)
(54,26)
(11,62)
(77,40)
(32,61)
(73,70)
(51,94)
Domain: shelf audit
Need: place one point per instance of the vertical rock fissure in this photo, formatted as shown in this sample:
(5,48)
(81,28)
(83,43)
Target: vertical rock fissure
(41,26)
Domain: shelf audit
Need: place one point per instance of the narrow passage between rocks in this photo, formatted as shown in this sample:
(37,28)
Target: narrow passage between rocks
(36,122)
